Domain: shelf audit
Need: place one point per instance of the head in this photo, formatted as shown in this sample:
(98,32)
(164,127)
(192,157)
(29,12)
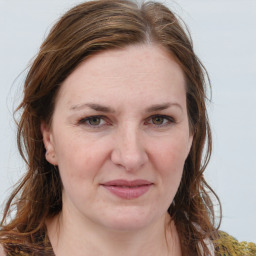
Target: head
(83,32)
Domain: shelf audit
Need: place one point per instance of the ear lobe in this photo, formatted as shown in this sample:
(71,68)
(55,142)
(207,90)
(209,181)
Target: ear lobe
(48,144)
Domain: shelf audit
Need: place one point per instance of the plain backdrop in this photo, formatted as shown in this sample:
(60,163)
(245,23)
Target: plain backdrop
(224,35)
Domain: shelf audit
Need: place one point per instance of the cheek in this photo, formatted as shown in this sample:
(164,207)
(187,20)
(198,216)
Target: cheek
(79,160)
(169,160)
(171,153)
(79,167)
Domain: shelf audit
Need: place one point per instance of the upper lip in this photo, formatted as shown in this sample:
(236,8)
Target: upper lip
(127,183)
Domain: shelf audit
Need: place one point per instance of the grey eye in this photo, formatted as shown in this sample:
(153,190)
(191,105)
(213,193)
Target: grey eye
(94,121)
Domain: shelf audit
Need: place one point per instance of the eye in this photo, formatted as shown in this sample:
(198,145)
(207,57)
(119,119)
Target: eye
(93,121)
(160,120)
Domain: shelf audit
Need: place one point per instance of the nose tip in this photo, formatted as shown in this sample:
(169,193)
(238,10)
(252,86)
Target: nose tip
(129,153)
(129,161)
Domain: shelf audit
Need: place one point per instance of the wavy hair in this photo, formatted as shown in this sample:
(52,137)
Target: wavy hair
(83,31)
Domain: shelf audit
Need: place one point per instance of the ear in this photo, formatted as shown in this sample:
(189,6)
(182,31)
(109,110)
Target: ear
(48,144)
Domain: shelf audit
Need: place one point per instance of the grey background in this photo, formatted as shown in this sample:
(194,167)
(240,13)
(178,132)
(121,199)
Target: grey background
(224,34)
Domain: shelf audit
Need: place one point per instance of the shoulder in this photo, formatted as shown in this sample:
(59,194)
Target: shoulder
(226,244)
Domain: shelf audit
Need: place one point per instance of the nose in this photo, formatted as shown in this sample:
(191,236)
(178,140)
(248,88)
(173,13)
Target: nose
(128,151)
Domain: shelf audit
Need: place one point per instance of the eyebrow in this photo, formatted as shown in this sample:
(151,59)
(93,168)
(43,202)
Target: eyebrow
(158,107)
(94,106)
(102,108)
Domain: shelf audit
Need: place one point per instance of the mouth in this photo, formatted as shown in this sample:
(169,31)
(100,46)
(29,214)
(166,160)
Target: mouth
(128,189)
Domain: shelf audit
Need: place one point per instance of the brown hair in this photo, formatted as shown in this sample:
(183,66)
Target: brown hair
(83,31)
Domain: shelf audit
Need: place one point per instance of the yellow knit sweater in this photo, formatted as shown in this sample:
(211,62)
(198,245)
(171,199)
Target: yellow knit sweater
(227,245)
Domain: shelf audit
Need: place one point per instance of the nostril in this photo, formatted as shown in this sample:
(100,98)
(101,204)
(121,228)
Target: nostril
(130,160)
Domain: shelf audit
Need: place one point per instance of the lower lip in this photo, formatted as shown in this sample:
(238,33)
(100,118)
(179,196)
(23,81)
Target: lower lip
(128,192)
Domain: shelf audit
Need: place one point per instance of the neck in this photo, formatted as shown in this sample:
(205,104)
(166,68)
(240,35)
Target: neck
(72,238)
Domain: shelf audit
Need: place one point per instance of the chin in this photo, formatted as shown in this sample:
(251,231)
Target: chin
(129,220)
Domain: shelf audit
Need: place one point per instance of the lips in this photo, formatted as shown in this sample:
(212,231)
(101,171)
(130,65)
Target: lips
(128,189)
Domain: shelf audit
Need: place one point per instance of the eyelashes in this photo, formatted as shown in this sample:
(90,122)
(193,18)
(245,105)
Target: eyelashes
(160,120)
(93,121)
(98,121)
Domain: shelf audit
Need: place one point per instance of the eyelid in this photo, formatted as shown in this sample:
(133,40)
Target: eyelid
(84,120)
(170,120)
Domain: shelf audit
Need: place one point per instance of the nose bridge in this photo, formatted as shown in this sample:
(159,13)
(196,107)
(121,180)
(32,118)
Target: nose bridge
(129,150)
(129,139)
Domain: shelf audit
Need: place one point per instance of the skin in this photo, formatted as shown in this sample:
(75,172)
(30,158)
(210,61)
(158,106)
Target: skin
(143,135)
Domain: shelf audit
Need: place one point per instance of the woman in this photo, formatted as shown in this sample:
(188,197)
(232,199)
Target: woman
(113,128)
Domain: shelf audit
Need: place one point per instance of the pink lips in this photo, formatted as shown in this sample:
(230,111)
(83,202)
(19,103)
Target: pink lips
(128,189)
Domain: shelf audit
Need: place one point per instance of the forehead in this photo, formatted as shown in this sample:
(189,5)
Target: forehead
(137,72)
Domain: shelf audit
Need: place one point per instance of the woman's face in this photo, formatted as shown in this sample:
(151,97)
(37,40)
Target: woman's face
(120,137)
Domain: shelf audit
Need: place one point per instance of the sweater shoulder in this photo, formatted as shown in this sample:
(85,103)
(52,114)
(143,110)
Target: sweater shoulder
(227,245)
